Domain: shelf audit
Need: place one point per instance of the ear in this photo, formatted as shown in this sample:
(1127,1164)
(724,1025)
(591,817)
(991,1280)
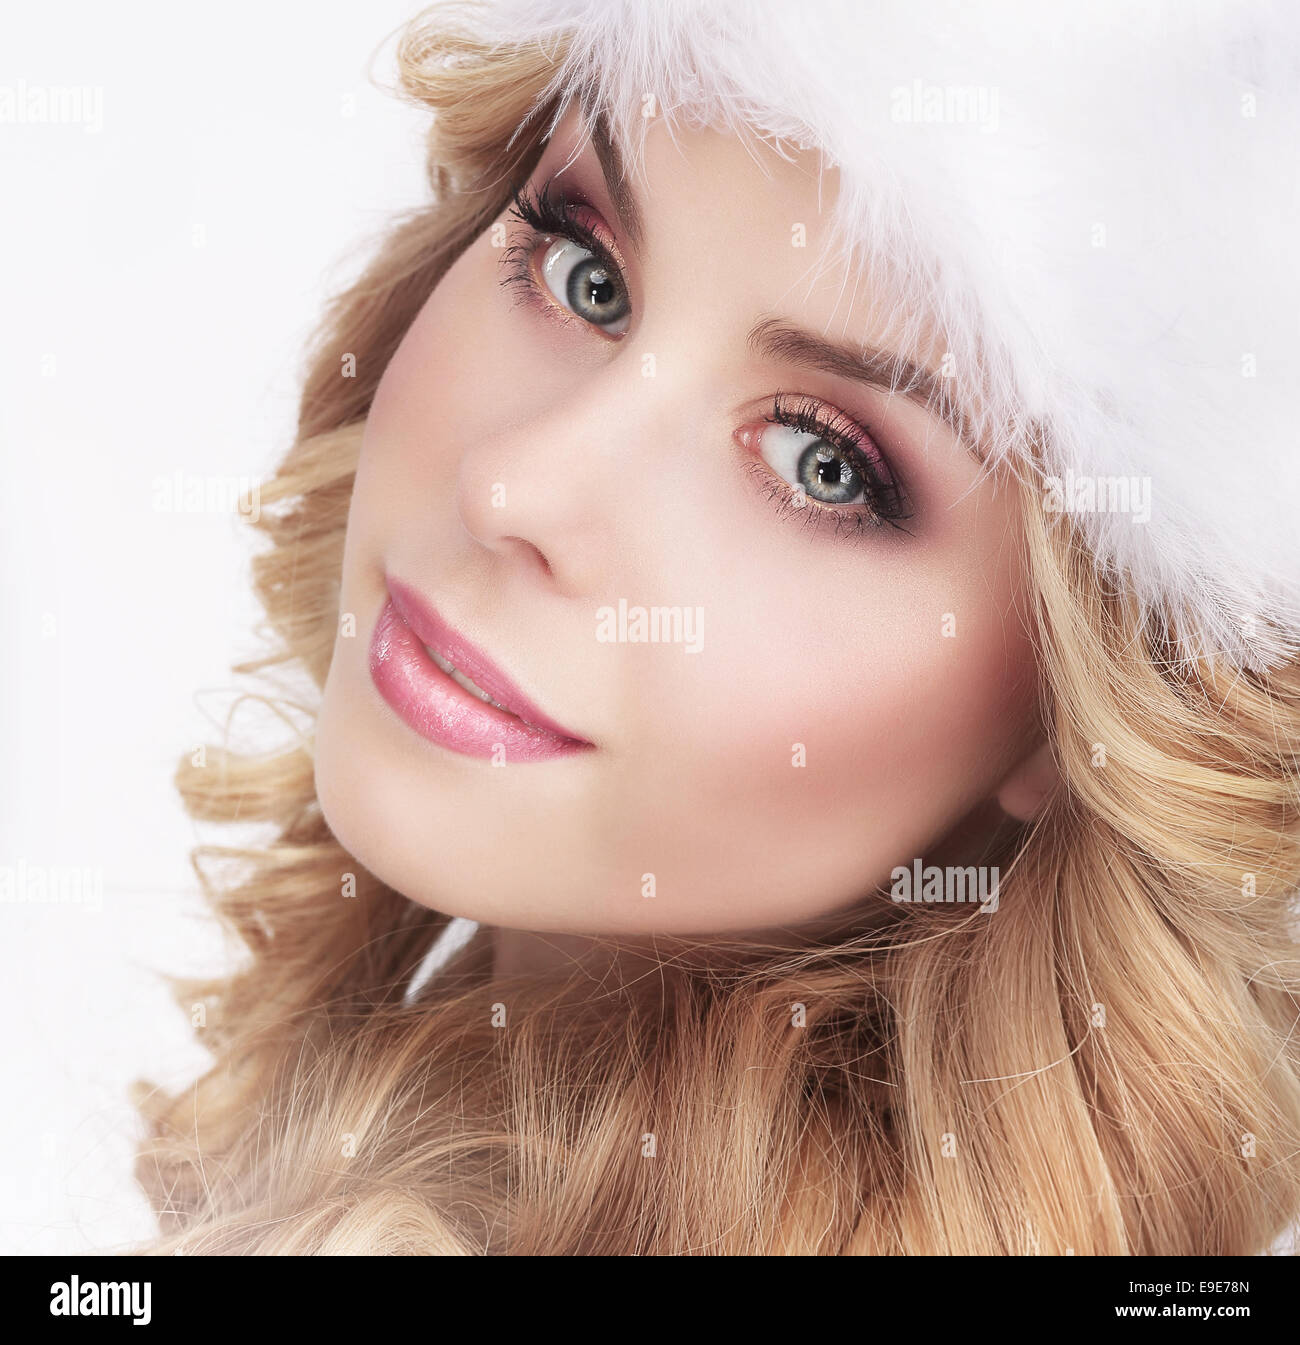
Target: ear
(1029,785)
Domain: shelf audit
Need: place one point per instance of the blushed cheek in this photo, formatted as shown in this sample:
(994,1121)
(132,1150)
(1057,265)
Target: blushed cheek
(888,742)
(409,404)
(956,727)
(460,353)
(859,757)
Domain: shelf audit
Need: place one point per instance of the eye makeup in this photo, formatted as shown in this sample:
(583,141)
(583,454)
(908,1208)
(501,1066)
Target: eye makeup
(827,462)
(591,289)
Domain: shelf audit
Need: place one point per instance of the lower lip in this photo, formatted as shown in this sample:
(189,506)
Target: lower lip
(440,709)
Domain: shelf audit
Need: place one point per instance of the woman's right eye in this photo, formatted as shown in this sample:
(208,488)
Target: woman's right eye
(576,270)
(586,285)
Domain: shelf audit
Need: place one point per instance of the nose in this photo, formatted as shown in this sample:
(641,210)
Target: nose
(559,487)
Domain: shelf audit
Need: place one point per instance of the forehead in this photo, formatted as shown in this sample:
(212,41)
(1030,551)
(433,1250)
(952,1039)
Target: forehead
(733,196)
(737,231)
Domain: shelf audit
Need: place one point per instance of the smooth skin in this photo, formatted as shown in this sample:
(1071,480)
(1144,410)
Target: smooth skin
(860,697)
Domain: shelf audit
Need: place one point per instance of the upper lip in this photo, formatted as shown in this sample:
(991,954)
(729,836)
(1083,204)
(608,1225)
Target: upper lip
(445,640)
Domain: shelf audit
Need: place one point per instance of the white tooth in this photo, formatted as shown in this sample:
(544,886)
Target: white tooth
(459,677)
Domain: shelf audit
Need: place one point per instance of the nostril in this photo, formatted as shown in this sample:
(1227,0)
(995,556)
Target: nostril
(537,555)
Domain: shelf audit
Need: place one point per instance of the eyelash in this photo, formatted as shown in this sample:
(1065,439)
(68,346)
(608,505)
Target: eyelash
(548,217)
(887,502)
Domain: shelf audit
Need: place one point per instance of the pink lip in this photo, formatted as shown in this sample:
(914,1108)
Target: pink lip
(439,708)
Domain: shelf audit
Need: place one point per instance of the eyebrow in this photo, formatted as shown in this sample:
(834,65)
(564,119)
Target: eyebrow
(610,158)
(776,339)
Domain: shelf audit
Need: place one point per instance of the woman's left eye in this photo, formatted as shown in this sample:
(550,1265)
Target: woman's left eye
(829,466)
(827,474)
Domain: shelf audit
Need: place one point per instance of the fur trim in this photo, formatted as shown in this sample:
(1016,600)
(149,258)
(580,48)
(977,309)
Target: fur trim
(1096,203)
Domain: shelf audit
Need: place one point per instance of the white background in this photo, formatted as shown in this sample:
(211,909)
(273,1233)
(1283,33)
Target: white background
(159,278)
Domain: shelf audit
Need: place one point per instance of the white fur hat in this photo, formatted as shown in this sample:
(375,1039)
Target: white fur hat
(1096,203)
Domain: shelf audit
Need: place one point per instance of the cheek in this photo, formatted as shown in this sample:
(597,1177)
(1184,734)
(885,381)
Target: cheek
(860,726)
(463,352)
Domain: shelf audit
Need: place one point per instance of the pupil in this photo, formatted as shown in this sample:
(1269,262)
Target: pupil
(592,293)
(827,475)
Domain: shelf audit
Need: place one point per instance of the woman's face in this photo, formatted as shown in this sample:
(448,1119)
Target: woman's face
(763,662)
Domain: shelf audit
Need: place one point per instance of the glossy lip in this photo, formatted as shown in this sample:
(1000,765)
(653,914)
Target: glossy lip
(438,707)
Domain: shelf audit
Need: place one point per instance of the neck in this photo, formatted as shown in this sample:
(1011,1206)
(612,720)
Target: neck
(522,952)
